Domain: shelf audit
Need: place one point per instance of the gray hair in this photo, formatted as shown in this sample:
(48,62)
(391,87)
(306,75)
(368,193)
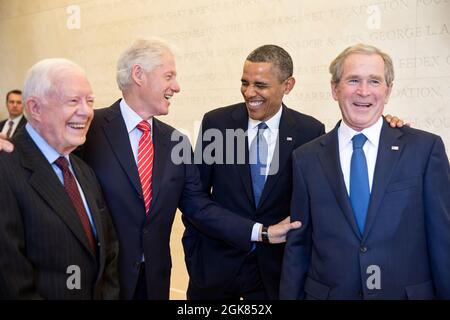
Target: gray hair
(41,76)
(144,52)
(336,67)
(276,55)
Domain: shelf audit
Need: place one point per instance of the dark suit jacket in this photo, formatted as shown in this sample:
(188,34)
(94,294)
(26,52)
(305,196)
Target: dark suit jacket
(211,262)
(407,232)
(41,234)
(108,151)
(20,125)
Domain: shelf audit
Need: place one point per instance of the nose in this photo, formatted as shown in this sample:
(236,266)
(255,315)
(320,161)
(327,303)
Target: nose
(248,91)
(363,89)
(85,107)
(175,86)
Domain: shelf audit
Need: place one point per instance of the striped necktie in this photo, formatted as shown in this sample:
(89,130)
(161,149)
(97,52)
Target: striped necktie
(145,162)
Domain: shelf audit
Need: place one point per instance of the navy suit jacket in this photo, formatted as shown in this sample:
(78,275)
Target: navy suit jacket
(20,125)
(41,234)
(212,263)
(108,151)
(407,231)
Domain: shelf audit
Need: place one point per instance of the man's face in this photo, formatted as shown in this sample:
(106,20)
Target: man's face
(14,105)
(263,90)
(160,85)
(64,118)
(362,91)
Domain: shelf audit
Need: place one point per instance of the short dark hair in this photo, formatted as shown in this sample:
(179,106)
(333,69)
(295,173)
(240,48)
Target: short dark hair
(15,91)
(276,55)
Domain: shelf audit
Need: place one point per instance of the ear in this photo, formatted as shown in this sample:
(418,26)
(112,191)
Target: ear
(290,83)
(33,109)
(334,90)
(388,93)
(137,74)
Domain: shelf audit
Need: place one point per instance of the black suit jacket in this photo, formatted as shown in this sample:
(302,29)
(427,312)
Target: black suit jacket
(41,234)
(212,263)
(20,125)
(108,151)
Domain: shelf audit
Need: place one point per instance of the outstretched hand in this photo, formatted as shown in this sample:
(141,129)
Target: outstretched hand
(5,145)
(277,232)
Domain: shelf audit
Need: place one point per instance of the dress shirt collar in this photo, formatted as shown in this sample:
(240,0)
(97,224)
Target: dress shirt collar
(273,123)
(372,133)
(47,150)
(16,120)
(131,118)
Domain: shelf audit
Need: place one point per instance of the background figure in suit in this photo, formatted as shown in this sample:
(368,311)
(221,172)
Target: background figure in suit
(15,120)
(218,270)
(57,240)
(131,153)
(374,201)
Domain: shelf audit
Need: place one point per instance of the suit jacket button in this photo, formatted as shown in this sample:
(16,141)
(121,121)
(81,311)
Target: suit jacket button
(363,249)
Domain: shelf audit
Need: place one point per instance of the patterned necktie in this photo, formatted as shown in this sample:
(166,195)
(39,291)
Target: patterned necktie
(9,132)
(359,181)
(72,190)
(145,163)
(258,162)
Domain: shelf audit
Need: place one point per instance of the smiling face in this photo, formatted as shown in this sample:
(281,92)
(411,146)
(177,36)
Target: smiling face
(262,89)
(159,85)
(63,117)
(14,105)
(362,91)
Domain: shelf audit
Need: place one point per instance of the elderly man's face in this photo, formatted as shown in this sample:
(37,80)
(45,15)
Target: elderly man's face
(14,105)
(160,85)
(362,91)
(66,115)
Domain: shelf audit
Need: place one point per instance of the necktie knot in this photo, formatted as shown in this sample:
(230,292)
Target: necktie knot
(262,126)
(358,141)
(10,123)
(62,163)
(144,126)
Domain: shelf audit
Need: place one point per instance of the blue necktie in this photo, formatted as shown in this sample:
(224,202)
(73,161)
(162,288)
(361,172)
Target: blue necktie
(258,159)
(359,181)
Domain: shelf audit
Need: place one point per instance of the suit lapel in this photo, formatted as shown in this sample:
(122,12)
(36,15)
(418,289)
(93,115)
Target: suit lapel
(386,162)
(161,152)
(240,121)
(45,182)
(330,161)
(282,153)
(116,132)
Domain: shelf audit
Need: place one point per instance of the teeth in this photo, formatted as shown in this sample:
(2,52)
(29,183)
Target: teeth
(77,125)
(362,104)
(255,103)
(167,96)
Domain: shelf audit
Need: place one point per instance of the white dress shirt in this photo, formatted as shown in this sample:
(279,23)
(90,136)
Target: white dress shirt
(15,121)
(345,135)
(132,119)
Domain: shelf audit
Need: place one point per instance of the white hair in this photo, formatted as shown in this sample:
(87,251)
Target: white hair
(144,52)
(41,76)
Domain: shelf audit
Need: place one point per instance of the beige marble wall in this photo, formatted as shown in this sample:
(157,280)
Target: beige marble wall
(213,37)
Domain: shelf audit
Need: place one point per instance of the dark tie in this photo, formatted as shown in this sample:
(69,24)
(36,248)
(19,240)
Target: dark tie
(145,163)
(10,127)
(258,158)
(72,190)
(359,181)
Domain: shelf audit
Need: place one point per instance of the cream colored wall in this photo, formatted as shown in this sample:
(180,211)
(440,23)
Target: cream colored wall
(213,38)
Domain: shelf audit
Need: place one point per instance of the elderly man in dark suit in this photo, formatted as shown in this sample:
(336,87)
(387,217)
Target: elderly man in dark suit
(16,120)
(374,201)
(57,240)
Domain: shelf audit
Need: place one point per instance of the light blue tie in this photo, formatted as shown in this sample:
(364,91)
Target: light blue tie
(359,181)
(258,159)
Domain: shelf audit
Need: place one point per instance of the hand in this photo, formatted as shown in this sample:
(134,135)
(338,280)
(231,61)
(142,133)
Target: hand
(5,145)
(395,122)
(277,232)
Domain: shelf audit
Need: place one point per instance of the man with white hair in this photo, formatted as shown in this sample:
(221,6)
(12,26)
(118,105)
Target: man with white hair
(57,240)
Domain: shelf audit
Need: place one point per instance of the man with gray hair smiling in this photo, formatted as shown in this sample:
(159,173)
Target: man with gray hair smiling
(57,240)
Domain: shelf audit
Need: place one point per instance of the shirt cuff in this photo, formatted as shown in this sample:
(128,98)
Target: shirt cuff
(255,231)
